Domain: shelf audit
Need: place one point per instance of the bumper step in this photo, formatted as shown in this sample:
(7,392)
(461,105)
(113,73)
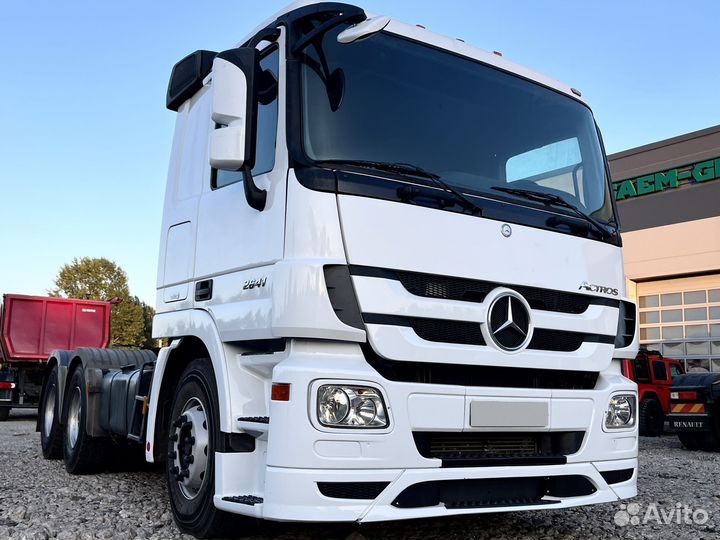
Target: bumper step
(250,500)
(257,426)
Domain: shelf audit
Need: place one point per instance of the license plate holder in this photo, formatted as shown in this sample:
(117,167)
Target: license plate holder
(514,414)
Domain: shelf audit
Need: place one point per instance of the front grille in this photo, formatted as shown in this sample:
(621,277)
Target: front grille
(469,333)
(472,290)
(352,490)
(476,449)
(560,340)
(462,332)
(494,492)
(469,375)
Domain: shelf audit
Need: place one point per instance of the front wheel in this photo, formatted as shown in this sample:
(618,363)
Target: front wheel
(50,433)
(194,433)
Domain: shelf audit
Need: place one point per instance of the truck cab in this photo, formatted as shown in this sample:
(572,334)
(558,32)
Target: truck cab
(391,280)
(654,376)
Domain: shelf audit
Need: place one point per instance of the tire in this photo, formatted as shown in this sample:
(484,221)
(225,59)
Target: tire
(689,440)
(82,454)
(4,413)
(51,438)
(652,419)
(194,431)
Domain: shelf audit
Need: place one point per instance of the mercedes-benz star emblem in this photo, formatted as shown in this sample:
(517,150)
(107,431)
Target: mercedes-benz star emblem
(509,321)
(506,230)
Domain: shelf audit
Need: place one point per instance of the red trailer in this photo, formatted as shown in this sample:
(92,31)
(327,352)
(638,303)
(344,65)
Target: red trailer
(31,327)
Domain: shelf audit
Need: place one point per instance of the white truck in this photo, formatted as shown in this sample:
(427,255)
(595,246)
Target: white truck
(391,281)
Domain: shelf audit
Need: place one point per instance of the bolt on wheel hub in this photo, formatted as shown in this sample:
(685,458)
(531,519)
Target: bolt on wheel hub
(189,449)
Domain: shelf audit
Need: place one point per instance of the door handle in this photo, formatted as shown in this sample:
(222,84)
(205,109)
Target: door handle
(203,290)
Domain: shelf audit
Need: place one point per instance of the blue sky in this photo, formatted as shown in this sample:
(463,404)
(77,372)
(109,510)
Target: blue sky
(85,136)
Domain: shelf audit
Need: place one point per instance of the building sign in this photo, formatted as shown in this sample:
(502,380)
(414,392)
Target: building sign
(702,171)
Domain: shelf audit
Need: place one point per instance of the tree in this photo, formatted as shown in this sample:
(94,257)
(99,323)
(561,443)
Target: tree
(91,278)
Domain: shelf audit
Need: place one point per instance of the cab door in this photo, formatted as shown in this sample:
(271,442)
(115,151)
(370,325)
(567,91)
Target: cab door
(236,243)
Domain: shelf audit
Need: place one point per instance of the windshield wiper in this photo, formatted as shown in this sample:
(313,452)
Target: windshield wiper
(551,198)
(413,170)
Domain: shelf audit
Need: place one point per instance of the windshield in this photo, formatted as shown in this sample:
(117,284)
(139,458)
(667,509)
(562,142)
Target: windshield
(389,99)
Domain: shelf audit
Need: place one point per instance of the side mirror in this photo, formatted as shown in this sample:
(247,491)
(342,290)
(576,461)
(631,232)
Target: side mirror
(235,77)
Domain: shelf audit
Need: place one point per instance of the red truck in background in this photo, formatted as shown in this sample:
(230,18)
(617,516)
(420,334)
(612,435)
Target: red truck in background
(31,327)
(654,375)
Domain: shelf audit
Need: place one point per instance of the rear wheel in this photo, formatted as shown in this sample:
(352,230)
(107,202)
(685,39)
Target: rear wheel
(691,441)
(194,432)
(82,453)
(4,413)
(652,419)
(50,432)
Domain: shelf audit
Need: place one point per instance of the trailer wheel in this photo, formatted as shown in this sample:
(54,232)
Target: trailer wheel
(194,432)
(82,454)
(50,433)
(652,419)
(4,413)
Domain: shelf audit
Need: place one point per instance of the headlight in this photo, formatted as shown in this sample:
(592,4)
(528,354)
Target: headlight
(350,406)
(621,412)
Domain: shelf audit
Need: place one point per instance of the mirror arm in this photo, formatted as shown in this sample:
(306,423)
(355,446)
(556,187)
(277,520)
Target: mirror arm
(255,196)
(270,34)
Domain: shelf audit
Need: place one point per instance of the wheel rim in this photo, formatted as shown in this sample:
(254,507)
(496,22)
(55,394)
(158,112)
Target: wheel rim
(49,411)
(73,420)
(190,448)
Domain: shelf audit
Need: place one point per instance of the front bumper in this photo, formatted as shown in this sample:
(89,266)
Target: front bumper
(300,453)
(293,494)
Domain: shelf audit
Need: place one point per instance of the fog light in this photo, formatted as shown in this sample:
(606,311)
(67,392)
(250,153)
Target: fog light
(621,412)
(350,406)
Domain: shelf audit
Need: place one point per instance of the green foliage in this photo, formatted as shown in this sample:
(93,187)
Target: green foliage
(91,278)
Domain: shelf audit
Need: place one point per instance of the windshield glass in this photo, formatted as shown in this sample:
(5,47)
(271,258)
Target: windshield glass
(389,99)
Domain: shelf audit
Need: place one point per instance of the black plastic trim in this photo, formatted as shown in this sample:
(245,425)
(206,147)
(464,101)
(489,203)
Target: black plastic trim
(474,375)
(626,324)
(352,490)
(200,62)
(250,500)
(492,449)
(469,333)
(342,295)
(493,492)
(235,442)
(203,290)
(384,273)
(617,476)
(255,419)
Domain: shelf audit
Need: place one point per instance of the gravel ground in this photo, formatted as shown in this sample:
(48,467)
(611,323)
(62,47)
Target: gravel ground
(38,500)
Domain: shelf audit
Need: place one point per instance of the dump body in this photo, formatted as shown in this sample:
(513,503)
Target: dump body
(33,326)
